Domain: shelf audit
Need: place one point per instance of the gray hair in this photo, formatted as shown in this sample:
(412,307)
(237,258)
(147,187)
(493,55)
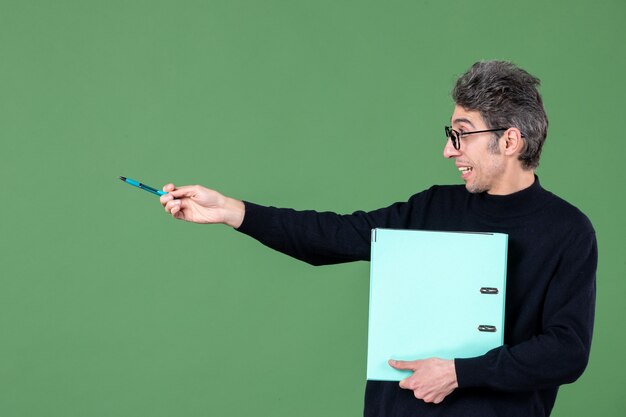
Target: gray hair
(506,96)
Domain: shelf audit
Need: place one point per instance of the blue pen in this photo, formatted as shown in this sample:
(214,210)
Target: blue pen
(142,186)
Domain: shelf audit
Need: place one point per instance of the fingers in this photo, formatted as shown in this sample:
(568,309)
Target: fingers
(432,381)
(404,383)
(167,197)
(403,365)
(173,192)
(191,202)
(184,191)
(169,201)
(421,391)
(173,205)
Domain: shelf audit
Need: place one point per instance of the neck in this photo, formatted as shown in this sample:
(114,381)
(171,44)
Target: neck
(516,180)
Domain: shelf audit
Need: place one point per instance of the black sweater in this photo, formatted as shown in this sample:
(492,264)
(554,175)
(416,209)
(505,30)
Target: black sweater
(550,295)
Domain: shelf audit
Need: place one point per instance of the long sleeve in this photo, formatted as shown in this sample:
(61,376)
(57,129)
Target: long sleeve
(323,238)
(559,354)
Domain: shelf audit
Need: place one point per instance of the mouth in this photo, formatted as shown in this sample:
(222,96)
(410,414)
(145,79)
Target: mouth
(465,171)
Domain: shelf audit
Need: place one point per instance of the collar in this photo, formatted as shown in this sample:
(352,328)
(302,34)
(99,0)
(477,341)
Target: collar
(519,203)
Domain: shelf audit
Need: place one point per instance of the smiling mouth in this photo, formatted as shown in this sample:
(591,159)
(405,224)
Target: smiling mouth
(466,172)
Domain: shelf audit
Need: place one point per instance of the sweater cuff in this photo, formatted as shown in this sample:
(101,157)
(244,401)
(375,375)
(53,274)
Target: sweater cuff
(255,219)
(471,372)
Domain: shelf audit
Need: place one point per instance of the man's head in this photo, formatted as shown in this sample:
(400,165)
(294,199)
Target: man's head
(506,96)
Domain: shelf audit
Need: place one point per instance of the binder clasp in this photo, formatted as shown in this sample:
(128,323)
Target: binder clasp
(486,328)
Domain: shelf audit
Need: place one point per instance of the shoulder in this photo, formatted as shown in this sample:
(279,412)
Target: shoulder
(565,215)
(443,191)
(439,195)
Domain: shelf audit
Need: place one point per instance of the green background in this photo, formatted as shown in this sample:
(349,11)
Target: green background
(108,307)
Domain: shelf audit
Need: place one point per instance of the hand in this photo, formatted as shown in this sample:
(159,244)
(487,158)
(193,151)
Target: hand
(433,379)
(197,204)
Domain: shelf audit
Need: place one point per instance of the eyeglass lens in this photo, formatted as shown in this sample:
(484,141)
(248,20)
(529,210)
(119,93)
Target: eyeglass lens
(454,137)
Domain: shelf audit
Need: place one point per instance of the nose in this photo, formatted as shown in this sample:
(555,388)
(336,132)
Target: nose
(449,151)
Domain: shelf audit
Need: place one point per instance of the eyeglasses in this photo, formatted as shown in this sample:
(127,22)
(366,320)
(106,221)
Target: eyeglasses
(455,136)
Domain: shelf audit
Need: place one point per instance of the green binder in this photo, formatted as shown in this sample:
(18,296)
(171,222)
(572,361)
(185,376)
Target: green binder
(434,294)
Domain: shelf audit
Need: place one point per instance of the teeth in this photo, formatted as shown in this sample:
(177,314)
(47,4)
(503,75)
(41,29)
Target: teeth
(465,169)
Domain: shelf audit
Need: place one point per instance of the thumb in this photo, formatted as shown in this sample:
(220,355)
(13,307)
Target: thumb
(169,187)
(184,191)
(403,365)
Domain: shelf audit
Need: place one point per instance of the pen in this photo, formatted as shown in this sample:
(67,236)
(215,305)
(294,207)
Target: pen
(142,186)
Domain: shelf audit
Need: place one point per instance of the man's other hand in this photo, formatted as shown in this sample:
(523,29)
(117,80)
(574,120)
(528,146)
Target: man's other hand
(433,379)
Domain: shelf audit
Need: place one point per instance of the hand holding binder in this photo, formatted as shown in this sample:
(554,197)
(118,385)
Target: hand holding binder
(432,379)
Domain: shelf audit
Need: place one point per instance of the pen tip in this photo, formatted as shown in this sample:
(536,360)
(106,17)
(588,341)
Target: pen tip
(122,178)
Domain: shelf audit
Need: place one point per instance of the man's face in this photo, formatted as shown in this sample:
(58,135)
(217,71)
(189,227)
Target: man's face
(481,166)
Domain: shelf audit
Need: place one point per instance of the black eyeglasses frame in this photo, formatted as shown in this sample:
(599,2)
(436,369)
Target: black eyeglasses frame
(455,136)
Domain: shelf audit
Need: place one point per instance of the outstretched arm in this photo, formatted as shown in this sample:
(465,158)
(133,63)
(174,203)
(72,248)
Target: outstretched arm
(198,204)
(318,238)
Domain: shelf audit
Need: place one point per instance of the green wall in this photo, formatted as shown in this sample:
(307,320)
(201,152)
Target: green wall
(108,307)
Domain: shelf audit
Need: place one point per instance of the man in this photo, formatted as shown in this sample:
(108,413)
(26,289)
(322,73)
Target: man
(497,131)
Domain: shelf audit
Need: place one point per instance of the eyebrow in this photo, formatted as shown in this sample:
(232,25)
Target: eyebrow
(463,120)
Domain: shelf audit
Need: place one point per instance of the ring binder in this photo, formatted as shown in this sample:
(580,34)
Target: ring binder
(451,314)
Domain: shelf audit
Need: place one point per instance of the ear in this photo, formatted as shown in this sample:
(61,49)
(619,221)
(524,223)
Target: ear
(513,141)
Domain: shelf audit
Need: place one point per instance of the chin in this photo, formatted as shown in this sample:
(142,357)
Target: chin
(475,188)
